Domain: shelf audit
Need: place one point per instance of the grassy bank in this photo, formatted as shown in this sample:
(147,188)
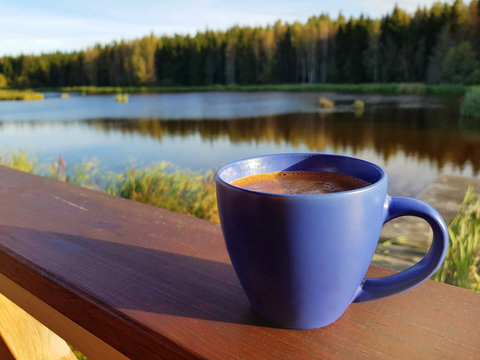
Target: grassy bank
(162,185)
(462,263)
(20,95)
(470,106)
(378,88)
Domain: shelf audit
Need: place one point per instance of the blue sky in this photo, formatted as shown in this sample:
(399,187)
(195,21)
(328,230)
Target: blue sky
(34,26)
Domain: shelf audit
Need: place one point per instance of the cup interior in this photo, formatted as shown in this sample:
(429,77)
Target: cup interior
(345,165)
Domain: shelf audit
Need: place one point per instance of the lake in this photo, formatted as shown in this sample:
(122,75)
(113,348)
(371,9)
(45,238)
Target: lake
(414,138)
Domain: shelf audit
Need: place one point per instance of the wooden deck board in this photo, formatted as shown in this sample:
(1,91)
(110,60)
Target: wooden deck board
(153,284)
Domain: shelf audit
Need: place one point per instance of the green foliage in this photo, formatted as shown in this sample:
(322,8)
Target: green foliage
(121,98)
(94,90)
(3,81)
(460,63)
(412,88)
(20,95)
(378,88)
(18,160)
(167,187)
(86,174)
(437,56)
(435,45)
(446,89)
(470,106)
(462,263)
(474,77)
(359,105)
(77,353)
(162,185)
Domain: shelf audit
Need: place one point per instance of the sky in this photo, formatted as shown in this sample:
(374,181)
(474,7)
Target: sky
(33,27)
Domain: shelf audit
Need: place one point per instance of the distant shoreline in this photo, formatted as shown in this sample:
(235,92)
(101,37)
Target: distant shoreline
(378,88)
(367,88)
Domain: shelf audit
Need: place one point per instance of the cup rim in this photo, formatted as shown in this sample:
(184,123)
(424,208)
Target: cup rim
(382,179)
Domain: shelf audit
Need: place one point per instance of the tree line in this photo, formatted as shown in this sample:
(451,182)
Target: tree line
(440,44)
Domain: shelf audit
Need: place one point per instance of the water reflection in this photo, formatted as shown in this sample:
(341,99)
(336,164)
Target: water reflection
(414,135)
(415,144)
(205,105)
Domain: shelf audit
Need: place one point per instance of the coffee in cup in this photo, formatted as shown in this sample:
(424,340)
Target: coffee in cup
(300,182)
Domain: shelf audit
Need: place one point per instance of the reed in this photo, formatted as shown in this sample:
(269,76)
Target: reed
(412,88)
(470,106)
(20,95)
(121,98)
(163,185)
(325,103)
(462,262)
(166,186)
(18,160)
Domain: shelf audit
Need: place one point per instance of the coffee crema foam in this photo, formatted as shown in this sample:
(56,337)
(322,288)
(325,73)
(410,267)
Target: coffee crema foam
(300,182)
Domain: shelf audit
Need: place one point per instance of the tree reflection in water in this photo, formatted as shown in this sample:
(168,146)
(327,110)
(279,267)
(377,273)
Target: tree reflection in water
(414,143)
(415,133)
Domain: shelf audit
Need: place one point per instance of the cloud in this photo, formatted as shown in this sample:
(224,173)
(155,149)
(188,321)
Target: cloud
(32,26)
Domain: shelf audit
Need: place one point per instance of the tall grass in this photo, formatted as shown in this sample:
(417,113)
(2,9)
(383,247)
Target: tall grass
(166,186)
(20,95)
(470,106)
(462,263)
(461,266)
(18,160)
(121,98)
(163,185)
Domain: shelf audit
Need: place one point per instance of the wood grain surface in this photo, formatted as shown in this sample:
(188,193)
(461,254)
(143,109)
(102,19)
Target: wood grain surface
(159,285)
(28,339)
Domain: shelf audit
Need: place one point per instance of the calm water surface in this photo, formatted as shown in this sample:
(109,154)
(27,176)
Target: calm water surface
(414,138)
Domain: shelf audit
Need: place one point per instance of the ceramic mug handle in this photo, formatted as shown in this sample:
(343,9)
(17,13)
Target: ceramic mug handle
(375,288)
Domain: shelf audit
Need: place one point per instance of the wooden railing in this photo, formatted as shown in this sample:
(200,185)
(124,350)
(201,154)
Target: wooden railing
(118,279)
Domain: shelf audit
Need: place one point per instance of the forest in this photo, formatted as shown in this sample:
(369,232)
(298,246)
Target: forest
(440,44)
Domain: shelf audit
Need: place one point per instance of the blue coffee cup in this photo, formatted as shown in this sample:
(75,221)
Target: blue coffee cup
(302,258)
